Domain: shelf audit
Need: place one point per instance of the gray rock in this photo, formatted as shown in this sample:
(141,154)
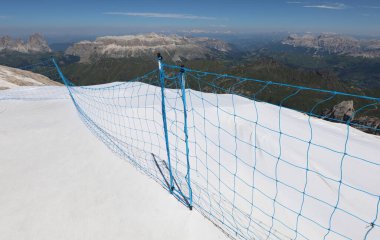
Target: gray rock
(343,111)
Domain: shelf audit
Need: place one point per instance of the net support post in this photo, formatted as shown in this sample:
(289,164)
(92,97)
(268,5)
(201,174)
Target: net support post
(182,80)
(163,112)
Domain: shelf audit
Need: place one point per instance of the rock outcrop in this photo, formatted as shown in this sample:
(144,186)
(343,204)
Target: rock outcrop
(345,112)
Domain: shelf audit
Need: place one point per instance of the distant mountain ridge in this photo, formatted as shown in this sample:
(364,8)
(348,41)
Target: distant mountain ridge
(176,47)
(335,44)
(35,44)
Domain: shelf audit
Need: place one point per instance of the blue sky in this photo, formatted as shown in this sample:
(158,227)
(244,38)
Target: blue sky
(85,17)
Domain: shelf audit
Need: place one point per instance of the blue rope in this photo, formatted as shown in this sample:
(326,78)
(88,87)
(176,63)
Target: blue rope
(280,84)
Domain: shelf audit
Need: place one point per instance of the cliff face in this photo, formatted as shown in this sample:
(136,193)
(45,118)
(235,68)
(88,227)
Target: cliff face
(176,47)
(336,44)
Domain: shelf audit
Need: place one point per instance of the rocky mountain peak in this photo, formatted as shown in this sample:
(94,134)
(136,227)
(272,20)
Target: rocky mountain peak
(36,43)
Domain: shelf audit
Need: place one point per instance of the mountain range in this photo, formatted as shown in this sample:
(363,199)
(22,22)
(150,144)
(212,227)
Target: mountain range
(35,44)
(344,63)
(335,44)
(177,48)
(182,48)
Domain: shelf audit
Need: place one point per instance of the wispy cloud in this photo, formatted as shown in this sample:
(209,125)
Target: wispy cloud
(161,15)
(373,7)
(3,17)
(331,6)
(293,2)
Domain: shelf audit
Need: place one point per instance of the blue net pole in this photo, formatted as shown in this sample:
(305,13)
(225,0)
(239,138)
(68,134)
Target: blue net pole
(183,87)
(162,83)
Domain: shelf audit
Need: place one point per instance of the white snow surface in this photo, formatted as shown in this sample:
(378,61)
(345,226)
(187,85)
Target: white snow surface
(60,182)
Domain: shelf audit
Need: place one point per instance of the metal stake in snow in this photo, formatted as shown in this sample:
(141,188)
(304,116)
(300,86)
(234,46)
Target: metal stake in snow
(162,81)
(183,85)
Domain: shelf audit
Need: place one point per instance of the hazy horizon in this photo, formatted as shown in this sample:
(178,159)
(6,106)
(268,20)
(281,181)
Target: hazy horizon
(231,37)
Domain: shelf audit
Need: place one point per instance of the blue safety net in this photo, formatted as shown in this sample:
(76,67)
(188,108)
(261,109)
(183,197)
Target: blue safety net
(260,159)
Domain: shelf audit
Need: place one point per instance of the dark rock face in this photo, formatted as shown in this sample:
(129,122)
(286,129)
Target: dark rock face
(36,43)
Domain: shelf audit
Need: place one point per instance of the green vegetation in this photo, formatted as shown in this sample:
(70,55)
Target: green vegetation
(108,70)
(19,60)
(355,71)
